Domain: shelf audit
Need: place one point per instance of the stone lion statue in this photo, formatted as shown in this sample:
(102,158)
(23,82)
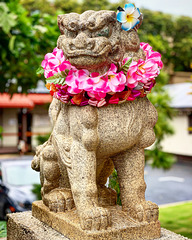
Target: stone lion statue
(87,142)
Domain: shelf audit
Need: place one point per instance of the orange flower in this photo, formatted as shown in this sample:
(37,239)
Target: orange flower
(53,88)
(77,99)
(142,93)
(47,85)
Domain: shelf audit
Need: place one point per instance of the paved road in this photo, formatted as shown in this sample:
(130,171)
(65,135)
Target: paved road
(163,187)
(169,186)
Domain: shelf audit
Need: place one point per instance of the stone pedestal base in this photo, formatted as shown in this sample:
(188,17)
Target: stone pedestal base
(23,226)
(122,227)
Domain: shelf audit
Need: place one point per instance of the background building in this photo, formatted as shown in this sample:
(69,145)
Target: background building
(180,144)
(23,117)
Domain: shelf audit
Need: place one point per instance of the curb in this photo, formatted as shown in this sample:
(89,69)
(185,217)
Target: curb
(174,204)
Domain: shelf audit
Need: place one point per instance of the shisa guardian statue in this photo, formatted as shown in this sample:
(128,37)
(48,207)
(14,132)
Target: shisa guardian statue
(99,76)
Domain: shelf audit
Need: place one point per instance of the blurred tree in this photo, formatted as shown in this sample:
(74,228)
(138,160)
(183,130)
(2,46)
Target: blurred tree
(183,28)
(44,6)
(160,99)
(68,6)
(95,5)
(169,35)
(157,29)
(182,54)
(114,5)
(24,39)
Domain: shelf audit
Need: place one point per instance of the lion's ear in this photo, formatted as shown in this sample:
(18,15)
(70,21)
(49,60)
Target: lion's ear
(130,40)
(60,22)
(141,20)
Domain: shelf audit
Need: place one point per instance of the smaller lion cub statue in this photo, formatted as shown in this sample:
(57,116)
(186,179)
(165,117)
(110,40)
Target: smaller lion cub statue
(88,142)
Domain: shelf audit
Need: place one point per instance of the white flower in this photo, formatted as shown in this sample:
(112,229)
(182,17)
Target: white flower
(129,17)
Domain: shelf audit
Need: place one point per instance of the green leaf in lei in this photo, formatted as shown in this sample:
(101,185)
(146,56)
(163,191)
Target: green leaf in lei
(125,67)
(58,78)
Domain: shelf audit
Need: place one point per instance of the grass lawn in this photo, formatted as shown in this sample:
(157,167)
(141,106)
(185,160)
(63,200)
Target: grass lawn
(3,229)
(177,218)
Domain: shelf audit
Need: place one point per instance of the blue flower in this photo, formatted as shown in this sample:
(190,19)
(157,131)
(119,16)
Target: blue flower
(129,17)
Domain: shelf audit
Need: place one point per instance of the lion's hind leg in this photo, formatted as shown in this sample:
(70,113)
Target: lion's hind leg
(130,170)
(54,195)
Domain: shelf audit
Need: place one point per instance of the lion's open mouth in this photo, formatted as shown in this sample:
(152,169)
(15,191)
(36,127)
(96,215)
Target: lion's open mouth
(89,53)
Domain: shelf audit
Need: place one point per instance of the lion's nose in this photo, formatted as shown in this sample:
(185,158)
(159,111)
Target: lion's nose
(82,42)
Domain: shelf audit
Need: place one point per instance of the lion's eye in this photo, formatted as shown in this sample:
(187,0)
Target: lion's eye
(70,34)
(103,32)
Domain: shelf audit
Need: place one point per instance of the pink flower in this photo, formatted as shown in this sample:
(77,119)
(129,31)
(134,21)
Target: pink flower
(101,103)
(141,71)
(99,83)
(97,103)
(132,76)
(94,83)
(54,62)
(79,80)
(64,98)
(96,95)
(146,48)
(150,54)
(93,102)
(148,86)
(147,70)
(156,57)
(75,80)
(115,81)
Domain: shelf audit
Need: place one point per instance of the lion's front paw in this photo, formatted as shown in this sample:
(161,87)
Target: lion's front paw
(59,200)
(145,211)
(95,218)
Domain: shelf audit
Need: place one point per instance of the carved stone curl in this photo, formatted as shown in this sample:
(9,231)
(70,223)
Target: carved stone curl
(87,142)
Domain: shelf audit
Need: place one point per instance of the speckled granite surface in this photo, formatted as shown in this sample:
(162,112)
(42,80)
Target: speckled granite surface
(122,226)
(87,142)
(23,226)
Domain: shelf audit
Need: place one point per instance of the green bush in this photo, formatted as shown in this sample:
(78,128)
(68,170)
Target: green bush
(41,139)
(114,184)
(37,190)
(3,229)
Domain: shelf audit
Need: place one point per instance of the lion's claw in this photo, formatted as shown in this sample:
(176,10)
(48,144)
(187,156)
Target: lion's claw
(95,218)
(59,200)
(145,212)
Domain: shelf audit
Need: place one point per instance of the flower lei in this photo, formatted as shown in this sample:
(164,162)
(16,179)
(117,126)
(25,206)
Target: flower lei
(125,82)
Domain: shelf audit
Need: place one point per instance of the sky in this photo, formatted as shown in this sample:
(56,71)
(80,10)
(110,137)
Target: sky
(175,7)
